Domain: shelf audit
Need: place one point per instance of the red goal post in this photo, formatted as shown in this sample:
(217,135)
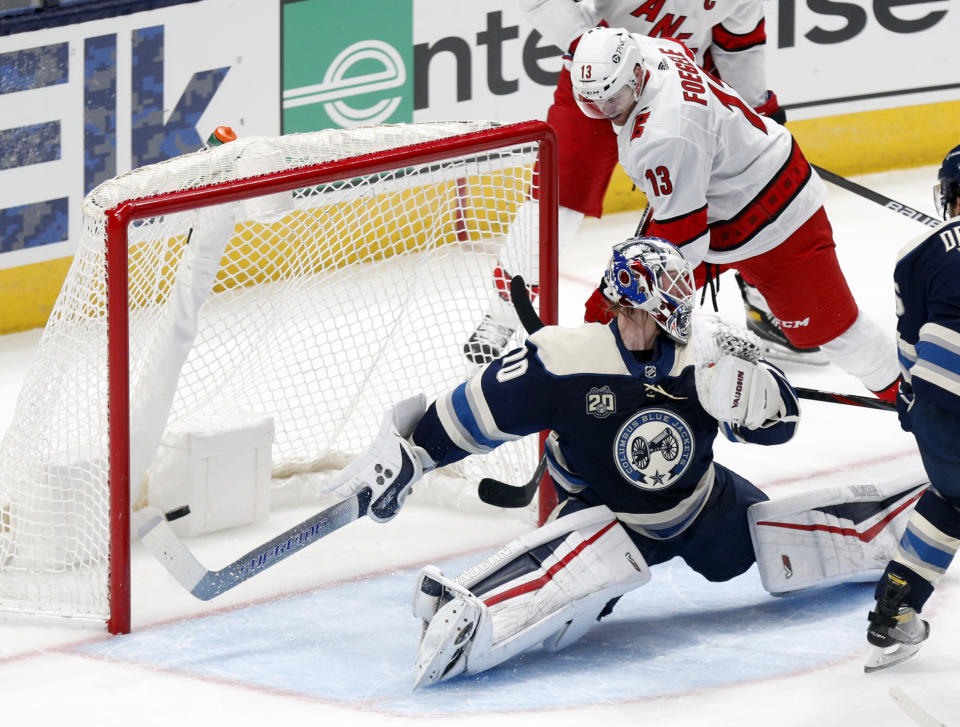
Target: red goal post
(474,197)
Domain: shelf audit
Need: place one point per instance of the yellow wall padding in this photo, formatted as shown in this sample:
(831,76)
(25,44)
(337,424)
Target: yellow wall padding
(302,243)
(27,294)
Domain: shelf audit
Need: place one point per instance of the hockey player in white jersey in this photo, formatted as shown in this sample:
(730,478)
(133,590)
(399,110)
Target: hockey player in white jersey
(927,283)
(633,408)
(731,189)
(727,37)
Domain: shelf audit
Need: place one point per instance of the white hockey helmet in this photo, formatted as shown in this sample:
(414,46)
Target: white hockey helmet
(602,72)
(649,273)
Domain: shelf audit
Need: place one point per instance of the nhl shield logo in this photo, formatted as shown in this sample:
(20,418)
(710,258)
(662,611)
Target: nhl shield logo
(601,402)
(653,448)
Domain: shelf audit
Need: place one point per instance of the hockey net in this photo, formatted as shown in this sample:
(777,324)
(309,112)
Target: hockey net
(313,278)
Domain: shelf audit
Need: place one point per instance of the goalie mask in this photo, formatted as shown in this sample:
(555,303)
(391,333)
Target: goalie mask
(602,71)
(649,273)
(947,188)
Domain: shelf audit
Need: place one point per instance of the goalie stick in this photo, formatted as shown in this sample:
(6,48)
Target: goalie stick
(156,534)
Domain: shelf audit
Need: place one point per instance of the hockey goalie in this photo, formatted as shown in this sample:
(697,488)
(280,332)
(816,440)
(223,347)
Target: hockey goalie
(633,408)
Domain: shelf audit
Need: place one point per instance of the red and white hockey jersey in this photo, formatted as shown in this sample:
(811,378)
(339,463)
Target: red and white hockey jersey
(725,183)
(729,34)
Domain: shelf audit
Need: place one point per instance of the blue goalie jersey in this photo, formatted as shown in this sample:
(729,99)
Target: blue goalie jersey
(927,284)
(628,433)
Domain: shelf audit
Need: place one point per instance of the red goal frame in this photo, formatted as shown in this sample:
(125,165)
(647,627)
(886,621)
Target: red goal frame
(119,218)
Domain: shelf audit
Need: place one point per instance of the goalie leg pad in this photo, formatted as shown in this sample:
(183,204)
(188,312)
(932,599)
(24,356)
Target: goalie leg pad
(828,536)
(548,586)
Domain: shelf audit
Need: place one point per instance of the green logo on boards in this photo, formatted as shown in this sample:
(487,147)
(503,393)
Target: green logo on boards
(346,67)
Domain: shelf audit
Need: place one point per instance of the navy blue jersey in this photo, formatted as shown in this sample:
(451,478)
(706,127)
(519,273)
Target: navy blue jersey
(631,432)
(927,284)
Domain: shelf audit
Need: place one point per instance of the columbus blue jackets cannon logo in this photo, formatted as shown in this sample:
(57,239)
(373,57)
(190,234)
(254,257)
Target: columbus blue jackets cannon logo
(653,448)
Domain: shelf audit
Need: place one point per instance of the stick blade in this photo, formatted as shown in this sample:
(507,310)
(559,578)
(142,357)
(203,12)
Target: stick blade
(500,494)
(523,306)
(913,710)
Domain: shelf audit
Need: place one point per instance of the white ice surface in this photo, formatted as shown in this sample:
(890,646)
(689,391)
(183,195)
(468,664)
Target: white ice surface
(327,635)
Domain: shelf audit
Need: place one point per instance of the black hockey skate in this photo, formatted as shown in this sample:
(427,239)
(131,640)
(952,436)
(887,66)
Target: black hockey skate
(896,631)
(762,322)
(487,342)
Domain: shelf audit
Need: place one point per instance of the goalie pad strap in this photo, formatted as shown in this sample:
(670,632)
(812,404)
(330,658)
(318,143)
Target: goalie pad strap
(836,534)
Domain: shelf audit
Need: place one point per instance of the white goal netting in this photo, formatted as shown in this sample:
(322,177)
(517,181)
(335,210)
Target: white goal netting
(318,308)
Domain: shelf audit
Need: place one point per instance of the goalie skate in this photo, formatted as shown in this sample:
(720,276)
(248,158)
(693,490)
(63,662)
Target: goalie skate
(774,345)
(441,654)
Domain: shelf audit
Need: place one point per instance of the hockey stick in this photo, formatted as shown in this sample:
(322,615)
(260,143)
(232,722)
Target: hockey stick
(527,314)
(500,494)
(531,322)
(155,532)
(848,399)
(913,710)
(491,491)
(880,199)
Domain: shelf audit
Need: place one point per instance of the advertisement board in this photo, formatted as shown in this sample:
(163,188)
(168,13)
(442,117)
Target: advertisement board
(826,57)
(383,61)
(83,103)
(866,86)
(432,59)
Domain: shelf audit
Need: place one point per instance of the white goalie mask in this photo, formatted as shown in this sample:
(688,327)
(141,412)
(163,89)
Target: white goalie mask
(604,82)
(649,273)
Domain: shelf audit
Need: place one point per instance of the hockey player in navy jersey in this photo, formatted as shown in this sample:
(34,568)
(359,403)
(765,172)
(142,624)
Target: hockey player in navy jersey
(927,284)
(633,408)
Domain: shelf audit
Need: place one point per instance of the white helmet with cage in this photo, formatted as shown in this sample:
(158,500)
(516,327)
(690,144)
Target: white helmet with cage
(605,72)
(649,273)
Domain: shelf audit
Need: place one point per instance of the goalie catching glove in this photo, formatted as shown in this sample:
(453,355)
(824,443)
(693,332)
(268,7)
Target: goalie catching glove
(733,384)
(390,466)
